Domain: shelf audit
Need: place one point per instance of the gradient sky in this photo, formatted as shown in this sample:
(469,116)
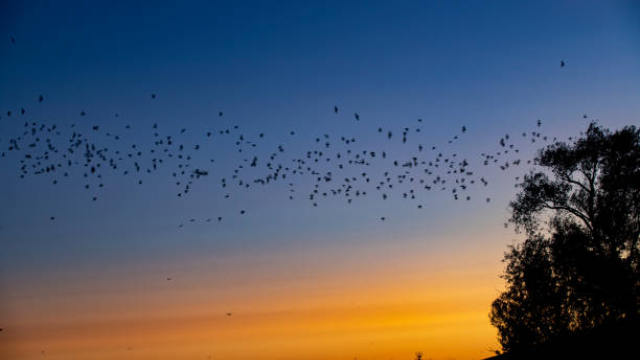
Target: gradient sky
(331,282)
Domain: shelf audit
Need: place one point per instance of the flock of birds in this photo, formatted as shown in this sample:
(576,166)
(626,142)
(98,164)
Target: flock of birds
(334,165)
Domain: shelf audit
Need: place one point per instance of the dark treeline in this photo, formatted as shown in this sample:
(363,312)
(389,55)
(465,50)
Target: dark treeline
(573,286)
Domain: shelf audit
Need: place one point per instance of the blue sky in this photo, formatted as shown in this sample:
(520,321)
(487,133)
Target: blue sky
(276,67)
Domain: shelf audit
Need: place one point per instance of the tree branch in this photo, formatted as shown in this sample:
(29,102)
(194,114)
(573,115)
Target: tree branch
(581,216)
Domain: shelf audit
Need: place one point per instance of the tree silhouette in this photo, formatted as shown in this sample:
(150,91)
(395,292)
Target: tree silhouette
(578,267)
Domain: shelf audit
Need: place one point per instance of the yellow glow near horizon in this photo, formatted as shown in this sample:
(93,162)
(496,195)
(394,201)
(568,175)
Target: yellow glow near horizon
(375,309)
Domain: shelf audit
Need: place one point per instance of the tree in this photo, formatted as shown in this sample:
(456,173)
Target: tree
(579,265)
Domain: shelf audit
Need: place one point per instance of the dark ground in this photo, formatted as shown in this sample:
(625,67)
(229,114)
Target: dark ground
(614,341)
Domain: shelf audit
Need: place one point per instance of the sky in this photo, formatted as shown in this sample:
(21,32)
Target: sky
(326,282)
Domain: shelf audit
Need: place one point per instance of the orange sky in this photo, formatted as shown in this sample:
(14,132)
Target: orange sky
(383,302)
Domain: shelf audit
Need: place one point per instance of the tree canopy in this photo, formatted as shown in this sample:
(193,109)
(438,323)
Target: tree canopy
(578,267)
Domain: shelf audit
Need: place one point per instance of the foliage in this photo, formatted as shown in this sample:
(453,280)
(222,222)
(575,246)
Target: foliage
(579,265)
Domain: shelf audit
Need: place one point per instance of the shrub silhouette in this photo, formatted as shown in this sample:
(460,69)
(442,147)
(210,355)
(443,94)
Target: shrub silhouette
(578,267)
